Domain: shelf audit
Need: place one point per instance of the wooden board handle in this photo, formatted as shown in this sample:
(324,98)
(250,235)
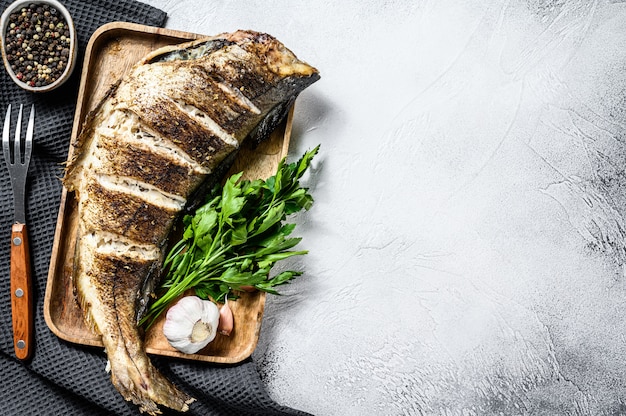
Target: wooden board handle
(21,293)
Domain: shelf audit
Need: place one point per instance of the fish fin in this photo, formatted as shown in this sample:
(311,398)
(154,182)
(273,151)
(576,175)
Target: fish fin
(269,123)
(73,165)
(78,294)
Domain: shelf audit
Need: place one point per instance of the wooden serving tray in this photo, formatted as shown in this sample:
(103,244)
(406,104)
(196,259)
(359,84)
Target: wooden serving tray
(111,52)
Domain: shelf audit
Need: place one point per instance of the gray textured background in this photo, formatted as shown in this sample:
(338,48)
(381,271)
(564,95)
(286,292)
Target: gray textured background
(467,250)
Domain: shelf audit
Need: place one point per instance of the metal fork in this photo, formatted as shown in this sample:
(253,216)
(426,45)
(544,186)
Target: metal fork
(21,293)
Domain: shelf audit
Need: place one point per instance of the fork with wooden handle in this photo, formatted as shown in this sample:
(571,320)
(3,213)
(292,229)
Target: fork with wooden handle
(21,290)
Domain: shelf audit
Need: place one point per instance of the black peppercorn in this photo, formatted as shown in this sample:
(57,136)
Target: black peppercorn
(37,40)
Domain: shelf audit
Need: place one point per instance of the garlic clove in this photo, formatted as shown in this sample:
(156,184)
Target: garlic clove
(225,326)
(191,324)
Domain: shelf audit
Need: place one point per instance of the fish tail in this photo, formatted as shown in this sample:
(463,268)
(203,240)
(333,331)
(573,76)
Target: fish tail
(140,382)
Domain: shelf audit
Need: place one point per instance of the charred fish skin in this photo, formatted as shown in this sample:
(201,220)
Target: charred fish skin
(169,127)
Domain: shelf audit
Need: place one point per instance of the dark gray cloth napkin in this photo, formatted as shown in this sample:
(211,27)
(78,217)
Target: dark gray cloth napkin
(63,378)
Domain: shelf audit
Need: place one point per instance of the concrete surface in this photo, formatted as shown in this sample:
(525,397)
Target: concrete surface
(467,248)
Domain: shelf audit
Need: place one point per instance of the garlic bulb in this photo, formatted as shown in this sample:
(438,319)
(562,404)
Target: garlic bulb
(191,324)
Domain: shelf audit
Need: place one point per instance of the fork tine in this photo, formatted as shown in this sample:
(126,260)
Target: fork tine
(28,146)
(5,136)
(17,156)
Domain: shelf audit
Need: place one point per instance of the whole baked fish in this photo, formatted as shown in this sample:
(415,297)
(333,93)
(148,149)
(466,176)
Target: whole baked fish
(168,127)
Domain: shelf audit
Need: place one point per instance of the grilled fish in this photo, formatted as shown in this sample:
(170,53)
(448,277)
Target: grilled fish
(159,134)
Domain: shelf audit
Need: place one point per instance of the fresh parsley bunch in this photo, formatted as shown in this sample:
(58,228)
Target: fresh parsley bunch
(232,242)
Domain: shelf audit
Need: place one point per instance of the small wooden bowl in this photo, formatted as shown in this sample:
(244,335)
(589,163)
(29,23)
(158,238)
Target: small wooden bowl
(71,62)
